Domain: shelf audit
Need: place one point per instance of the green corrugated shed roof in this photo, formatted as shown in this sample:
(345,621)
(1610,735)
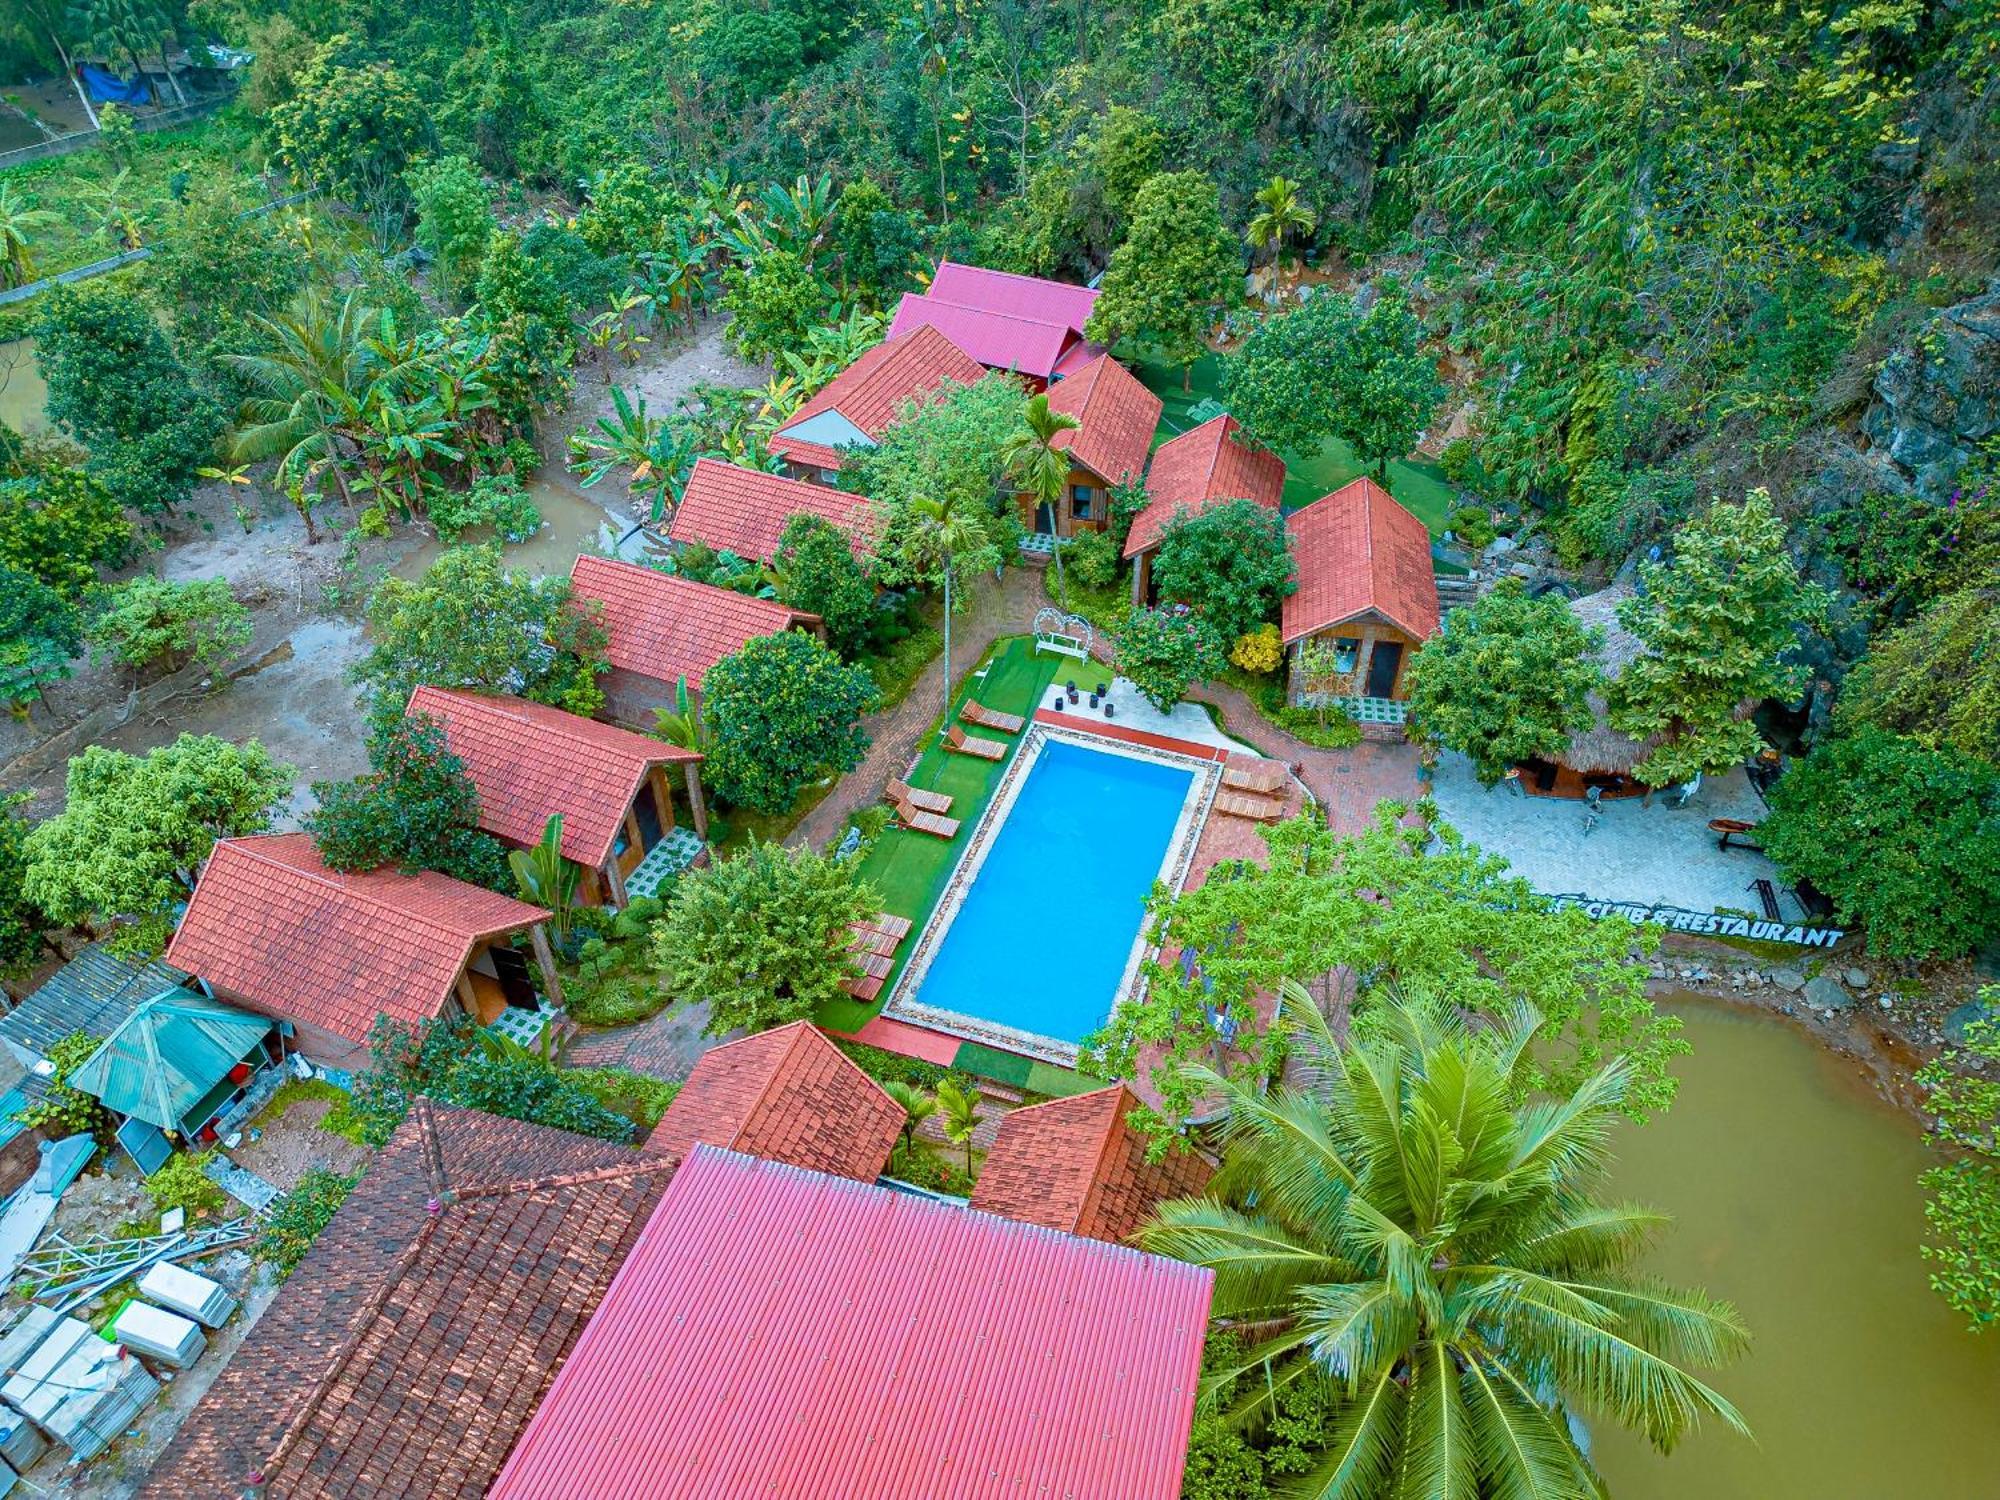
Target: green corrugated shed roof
(168,1055)
(92,993)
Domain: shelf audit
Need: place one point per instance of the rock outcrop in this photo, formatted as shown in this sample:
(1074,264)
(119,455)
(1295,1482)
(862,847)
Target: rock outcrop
(1939,397)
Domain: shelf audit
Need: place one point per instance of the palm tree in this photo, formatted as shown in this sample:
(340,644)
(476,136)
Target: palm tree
(17,260)
(945,529)
(918,1106)
(961,1114)
(1281,213)
(117,223)
(1040,467)
(1407,1233)
(316,375)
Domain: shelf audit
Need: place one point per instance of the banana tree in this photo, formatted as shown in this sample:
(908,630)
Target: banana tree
(630,439)
(546,878)
(681,725)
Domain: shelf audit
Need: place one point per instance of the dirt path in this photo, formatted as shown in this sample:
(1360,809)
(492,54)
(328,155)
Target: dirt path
(1005,608)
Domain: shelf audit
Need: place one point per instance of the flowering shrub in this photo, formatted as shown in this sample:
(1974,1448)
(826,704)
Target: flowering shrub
(1163,650)
(1258,651)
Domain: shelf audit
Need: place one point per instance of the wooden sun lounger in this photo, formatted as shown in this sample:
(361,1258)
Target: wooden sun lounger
(872,965)
(988,718)
(864,989)
(1268,778)
(923,822)
(877,943)
(971,744)
(1256,809)
(932,802)
(896,927)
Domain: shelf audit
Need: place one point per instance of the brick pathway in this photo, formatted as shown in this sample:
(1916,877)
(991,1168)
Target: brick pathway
(1007,608)
(664,1046)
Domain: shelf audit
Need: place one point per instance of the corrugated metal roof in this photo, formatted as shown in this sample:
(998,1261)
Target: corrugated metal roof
(168,1055)
(1010,292)
(999,341)
(778,1332)
(92,993)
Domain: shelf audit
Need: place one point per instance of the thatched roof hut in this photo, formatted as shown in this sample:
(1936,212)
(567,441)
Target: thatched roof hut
(1601,750)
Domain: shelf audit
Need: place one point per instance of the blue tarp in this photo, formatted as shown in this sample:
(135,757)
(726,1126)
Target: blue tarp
(109,88)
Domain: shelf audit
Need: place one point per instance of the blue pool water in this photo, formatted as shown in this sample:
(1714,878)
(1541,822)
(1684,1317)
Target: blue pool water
(1042,938)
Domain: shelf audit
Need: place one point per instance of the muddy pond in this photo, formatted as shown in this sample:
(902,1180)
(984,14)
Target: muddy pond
(1794,1194)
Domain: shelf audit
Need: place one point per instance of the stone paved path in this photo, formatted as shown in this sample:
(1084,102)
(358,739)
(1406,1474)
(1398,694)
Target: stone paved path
(664,1046)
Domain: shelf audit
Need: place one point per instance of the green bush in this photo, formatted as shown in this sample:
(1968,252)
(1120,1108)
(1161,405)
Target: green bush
(1473,526)
(147,621)
(297,1219)
(62,1110)
(1091,559)
(495,500)
(925,1168)
(639,1097)
(892,1067)
(182,1184)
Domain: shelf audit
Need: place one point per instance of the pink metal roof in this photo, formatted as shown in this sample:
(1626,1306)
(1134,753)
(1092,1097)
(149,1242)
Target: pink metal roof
(999,341)
(1021,296)
(778,1332)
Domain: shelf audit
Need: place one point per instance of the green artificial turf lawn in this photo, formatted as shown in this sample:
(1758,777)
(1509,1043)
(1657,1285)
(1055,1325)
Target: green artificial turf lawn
(909,870)
(1418,483)
(1024,1073)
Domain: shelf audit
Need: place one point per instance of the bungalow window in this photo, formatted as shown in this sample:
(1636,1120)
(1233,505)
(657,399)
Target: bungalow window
(1081,498)
(1346,651)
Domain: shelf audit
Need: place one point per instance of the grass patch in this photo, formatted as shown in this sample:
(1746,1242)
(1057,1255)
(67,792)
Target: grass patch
(740,824)
(339,1119)
(1417,482)
(640,1097)
(1030,1075)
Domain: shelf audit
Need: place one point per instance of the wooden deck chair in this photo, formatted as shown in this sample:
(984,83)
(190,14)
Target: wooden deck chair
(970,744)
(989,718)
(896,927)
(864,988)
(866,941)
(1267,778)
(1256,809)
(872,965)
(932,802)
(923,822)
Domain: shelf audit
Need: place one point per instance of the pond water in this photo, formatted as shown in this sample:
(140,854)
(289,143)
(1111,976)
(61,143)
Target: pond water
(1794,1195)
(22,393)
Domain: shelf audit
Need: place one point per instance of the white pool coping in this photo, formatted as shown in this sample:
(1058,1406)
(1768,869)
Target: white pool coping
(902,1004)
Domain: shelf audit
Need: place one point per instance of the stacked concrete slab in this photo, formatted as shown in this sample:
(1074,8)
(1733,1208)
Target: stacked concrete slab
(80,1390)
(183,1291)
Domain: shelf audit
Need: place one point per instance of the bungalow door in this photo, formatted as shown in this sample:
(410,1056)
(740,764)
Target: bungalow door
(1383,663)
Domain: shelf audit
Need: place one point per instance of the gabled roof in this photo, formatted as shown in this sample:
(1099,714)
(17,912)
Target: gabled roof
(665,627)
(999,341)
(1033,297)
(786,1095)
(529,760)
(272,924)
(1118,415)
(168,1056)
(1076,1165)
(1355,552)
(872,392)
(92,993)
(406,1353)
(777,1332)
(1202,466)
(744,511)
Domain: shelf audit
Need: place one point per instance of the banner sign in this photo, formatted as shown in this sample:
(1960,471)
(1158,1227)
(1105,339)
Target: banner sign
(1706,923)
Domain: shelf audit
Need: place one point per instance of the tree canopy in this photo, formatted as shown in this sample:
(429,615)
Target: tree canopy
(779,713)
(416,810)
(819,575)
(1231,564)
(1176,268)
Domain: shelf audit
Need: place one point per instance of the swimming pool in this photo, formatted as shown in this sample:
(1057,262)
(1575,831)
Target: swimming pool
(1045,931)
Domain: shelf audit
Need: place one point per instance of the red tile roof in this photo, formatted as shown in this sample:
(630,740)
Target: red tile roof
(1075,1165)
(1357,551)
(745,510)
(665,627)
(1203,465)
(1060,302)
(999,341)
(872,392)
(1118,415)
(413,1343)
(529,760)
(777,1332)
(786,1095)
(270,923)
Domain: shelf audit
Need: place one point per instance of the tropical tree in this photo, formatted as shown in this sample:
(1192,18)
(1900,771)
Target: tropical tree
(1281,215)
(944,532)
(111,205)
(17,224)
(1177,267)
(1231,563)
(313,374)
(132,27)
(818,574)
(918,1105)
(545,878)
(681,725)
(779,712)
(416,809)
(961,1114)
(20,922)
(627,439)
(1407,1234)
(39,636)
(1039,467)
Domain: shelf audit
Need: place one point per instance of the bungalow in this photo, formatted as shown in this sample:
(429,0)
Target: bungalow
(610,785)
(787,1095)
(1073,1364)
(859,404)
(1078,1166)
(745,511)
(1202,467)
(1022,324)
(1366,587)
(421,1331)
(1116,418)
(271,928)
(665,629)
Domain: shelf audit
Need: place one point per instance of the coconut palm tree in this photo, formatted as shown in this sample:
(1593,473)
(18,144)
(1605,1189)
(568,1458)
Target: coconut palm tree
(17,221)
(1409,1234)
(315,375)
(945,530)
(1281,214)
(918,1106)
(1039,467)
(961,1114)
